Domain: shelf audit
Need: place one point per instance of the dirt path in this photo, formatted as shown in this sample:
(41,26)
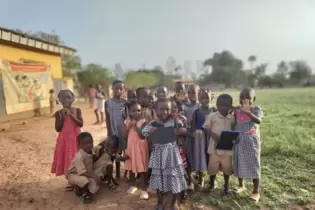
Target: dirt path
(25,159)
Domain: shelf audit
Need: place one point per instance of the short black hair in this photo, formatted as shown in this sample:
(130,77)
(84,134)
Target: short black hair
(132,103)
(58,96)
(83,136)
(51,91)
(159,101)
(225,96)
(116,82)
(138,90)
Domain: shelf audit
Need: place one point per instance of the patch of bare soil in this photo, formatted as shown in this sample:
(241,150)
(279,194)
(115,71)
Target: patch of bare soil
(26,182)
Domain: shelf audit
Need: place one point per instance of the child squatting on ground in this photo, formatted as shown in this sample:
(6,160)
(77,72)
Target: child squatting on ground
(91,166)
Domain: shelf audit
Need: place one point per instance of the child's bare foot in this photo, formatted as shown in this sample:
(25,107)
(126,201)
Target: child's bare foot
(96,123)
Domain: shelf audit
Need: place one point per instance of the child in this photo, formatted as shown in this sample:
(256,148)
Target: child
(143,98)
(52,101)
(167,167)
(161,93)
(131,95)
(68,123)
(137,152)
(180,142)
(188,110)
(86,174)
(99,104)
(219,159)
(180,95)
(91,95)
(115,110)
(200,143)
(247,149)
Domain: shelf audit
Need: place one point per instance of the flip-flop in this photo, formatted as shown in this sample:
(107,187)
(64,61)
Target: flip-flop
(86,198)
(255,197)
(69,187)
(238,190)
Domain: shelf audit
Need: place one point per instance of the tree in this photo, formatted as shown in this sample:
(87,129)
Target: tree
(70,63)
(260,70)
(252,59)
(300,71)
(226,69)
(280,76)
(118,71)
(187,68)
(136,79)
(170,65)
(94,74)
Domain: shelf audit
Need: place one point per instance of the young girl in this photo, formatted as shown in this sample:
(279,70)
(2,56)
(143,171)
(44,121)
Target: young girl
(180,142)
(167,167)
(137,152)
(200,144)
(99,105)
(144,100)
(115,111)
(68,123)
(52,101)
(247,149)
(189,109)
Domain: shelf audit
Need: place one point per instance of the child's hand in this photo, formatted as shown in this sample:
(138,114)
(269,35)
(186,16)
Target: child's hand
(246,106)
(67,111)
(180,131)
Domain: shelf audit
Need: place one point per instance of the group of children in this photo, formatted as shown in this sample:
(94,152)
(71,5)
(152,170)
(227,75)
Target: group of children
(161,142)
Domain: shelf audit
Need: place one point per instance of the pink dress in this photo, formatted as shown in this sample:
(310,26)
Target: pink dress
(66,146)
(138,151)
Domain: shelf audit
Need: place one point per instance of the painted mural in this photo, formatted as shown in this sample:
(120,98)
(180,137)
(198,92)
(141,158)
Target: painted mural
(26,86)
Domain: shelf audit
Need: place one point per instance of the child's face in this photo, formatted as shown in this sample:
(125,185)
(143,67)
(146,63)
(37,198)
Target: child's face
(163,110)
(224,105)
(143,97)
(131,96)
(192,93)
(118,89)
(86,144)
(247,93)
(66,98)
(135,111)
(161,93)
(179,87)
(204,99)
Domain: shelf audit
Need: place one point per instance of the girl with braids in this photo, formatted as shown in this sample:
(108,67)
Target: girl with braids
(68,122)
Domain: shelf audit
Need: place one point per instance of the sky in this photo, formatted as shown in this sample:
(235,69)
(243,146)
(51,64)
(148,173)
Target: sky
(137,33)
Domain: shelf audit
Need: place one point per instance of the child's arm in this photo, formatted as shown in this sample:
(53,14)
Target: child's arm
(81,169)
(254,113)
(207,126)
(107,121)
(59,118)
(77,120)
(145,130)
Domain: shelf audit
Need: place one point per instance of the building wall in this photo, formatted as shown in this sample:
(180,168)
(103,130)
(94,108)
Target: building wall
(14,52)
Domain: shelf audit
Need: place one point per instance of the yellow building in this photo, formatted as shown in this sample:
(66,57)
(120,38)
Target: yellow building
(29,68)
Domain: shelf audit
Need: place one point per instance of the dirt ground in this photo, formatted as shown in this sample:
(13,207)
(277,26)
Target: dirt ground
(25,159)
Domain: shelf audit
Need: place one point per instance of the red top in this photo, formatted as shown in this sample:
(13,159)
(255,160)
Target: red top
(92,92)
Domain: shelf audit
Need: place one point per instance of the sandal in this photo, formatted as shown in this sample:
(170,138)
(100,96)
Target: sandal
(238,190)
(69,187)
(184,197)
(111,186)
(78,191)
(255,197)
(158,207)
(86,198)
(144,195)
(228,193)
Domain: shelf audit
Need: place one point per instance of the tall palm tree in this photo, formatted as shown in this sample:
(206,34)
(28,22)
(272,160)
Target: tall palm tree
(252,59)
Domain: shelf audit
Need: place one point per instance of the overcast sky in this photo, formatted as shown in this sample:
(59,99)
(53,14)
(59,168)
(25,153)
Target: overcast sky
(146,32)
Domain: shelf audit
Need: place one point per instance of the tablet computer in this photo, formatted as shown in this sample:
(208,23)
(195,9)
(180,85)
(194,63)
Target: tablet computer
(227,140)
(163,135)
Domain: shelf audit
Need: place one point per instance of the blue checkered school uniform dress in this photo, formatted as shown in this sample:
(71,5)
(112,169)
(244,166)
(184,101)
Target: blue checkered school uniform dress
(168,174)
(117,112)
(246,155)
(189,142)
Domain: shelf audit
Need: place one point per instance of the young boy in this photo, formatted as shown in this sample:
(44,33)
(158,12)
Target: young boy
(89,167)
(219,159)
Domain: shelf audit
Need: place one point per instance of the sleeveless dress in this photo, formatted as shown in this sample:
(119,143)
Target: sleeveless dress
(246,155)
(66,146)
(188,144)
(117,114)
(138,151)
(200,144)
(168,173)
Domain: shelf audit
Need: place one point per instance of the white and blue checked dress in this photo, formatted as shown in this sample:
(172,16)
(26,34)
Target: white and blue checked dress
(168,173)
(246,155)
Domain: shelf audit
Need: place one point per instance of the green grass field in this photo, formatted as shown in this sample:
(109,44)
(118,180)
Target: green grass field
(287,157)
